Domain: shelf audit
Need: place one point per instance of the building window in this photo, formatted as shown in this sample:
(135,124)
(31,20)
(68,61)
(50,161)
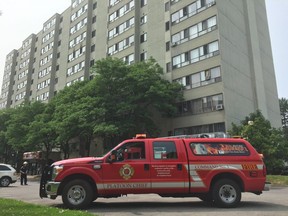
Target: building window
(209,128)
(94,33)
(201,105)
(113,2)
(202,78)
(94,19)
(167,6)
(76,53)
(75,80)
(127,42)
(77,40)
(121,28)
(122,11)
(75,3)
(143,3)
(43,97)
(168,67)
(76,68)
(143,56)
(129,59)
(168,46)
(195,55)
(78,26)
(194,31)
(94,5)
(191,10)
(143,37)
(93,48)
(167,26)
(143,19)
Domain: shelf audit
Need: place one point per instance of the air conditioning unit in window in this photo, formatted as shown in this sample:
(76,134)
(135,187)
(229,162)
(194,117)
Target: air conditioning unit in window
(219,107)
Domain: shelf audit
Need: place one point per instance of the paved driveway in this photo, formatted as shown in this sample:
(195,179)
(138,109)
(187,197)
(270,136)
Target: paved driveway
(274,202)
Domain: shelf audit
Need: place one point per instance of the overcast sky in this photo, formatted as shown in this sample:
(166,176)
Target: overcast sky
(20,18)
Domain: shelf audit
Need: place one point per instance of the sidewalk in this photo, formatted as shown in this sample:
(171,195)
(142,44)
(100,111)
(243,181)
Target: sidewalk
(33,178)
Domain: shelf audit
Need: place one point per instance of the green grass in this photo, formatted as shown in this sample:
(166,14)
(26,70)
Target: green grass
(9,207)
(278,180)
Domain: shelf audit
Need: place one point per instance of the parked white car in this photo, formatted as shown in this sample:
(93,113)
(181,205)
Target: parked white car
(8,175)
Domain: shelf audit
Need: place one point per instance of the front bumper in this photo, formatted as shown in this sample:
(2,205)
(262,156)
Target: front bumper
(52,189)
(267,186)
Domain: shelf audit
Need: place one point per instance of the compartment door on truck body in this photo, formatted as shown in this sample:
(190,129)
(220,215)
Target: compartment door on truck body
(168,166)
(129,173)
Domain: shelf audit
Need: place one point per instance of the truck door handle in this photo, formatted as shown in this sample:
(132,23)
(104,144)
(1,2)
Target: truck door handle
(179,166)
(146,166)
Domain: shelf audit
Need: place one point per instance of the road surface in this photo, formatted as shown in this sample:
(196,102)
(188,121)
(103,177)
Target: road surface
(270,203)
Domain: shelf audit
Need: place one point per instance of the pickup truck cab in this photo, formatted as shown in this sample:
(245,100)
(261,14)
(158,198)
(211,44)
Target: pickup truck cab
(216,170)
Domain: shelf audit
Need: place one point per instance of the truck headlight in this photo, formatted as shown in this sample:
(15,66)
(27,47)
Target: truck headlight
(56,170)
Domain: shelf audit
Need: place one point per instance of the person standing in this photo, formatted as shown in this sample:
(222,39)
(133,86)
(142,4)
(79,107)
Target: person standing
(23,173)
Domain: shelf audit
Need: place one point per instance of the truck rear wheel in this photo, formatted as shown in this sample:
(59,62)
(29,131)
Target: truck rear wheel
(77,194)
(226,193)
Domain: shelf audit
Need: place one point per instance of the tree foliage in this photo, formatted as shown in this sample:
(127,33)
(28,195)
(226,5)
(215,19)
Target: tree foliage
(119,102)
(6,150)
(266,140)
(284,115)
(76,112)
(131,96)
(42,132)
(19,123)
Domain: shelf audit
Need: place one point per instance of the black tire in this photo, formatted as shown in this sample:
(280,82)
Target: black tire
(5,181)
(226,193)
(77,194)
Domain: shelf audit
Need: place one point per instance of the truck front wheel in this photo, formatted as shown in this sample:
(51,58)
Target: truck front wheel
(77,194)
(226,193)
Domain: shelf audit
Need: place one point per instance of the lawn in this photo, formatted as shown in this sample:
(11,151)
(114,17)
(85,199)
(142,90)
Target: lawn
(278,180)
(9,207)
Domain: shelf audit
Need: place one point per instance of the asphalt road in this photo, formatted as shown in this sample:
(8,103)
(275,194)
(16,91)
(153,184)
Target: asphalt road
(273,202)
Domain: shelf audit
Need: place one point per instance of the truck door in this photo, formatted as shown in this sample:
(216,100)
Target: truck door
(129,173)
(168,167)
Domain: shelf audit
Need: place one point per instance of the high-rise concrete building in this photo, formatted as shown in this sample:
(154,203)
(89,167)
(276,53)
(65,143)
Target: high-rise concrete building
(218,49)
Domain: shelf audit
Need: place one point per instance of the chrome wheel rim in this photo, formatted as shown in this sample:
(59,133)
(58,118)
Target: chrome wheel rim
(76,195)
(228,194)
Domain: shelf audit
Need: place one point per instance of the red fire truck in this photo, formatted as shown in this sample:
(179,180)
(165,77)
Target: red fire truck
(215,170)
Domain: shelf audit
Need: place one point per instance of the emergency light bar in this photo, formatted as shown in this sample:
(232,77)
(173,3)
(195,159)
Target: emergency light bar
(140,136)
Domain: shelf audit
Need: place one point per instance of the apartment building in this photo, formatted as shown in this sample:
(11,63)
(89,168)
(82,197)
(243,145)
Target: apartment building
(218,49)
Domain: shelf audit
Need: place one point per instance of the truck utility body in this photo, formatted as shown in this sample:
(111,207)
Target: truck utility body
(214,169)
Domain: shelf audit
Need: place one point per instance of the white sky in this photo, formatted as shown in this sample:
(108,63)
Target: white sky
(20,18)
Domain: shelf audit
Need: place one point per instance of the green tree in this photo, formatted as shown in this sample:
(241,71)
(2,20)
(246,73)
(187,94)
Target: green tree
(6,150)
(131,96)
(18,126)
(76,112)
(266,140)
(284,115)
(42,132)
